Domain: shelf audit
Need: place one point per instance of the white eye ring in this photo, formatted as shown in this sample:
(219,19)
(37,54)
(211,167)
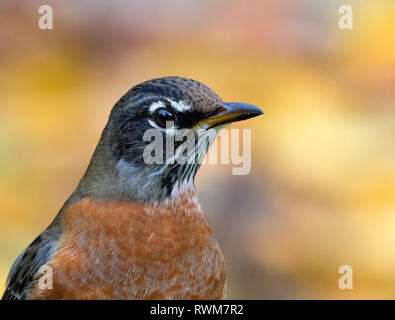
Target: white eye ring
(179,106)
(168,129)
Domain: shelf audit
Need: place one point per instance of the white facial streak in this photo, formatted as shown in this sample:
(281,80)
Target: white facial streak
(180,106)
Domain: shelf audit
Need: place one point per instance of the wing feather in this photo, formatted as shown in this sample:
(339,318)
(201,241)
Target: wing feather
(29,262)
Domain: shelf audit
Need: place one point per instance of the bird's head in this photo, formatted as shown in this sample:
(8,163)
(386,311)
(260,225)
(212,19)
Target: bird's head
(155,139)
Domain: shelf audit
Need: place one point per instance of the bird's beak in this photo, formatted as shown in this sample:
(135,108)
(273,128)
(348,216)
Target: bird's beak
(234,111)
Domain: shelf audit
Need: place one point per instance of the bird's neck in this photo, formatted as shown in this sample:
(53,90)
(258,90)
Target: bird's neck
(108,178)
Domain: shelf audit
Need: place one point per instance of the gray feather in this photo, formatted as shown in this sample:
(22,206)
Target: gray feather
(25,267)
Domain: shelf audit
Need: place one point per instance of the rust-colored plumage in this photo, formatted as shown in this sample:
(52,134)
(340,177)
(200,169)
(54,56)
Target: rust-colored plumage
(119,250)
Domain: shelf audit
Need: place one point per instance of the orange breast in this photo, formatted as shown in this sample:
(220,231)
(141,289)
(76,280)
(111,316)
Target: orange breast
(120,250)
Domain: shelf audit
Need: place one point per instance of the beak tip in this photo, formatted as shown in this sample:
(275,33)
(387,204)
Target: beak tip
(248,109)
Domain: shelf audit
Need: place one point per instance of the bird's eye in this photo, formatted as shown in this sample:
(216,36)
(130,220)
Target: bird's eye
(162,115)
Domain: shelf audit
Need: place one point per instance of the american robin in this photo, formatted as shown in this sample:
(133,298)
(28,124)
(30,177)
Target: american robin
(133,230)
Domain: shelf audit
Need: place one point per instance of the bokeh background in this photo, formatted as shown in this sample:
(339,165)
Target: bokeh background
(321,192)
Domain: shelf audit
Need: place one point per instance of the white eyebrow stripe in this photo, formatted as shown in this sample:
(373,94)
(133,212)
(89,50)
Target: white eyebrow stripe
(156,105)
(180,106)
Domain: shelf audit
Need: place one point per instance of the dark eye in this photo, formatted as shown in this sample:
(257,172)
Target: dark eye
(162,115)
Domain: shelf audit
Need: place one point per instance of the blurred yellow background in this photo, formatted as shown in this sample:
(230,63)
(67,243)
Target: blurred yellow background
(321,192)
